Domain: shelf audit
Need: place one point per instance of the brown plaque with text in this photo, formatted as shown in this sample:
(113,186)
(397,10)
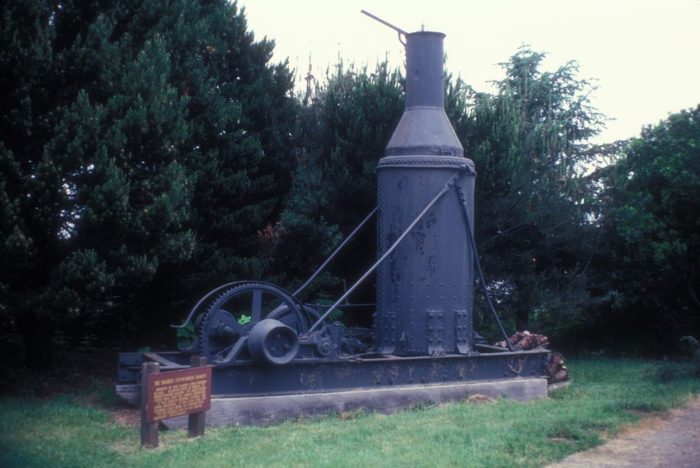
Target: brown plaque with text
(177,393)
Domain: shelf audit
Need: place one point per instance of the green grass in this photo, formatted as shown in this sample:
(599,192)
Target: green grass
(605,394)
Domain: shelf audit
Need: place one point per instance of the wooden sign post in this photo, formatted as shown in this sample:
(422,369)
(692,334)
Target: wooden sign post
(172,394)
(149,429)
(195,421)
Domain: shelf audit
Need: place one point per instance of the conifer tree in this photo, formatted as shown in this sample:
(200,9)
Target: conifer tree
(142,146)
(345,128)
(530,145)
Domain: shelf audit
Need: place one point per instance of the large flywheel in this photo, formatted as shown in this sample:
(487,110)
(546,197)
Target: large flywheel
(253,320)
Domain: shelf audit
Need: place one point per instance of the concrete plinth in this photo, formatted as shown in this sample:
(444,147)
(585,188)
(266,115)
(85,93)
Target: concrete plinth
(265,410)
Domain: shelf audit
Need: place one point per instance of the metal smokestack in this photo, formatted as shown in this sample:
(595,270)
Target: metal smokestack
(424,127)
(424,288)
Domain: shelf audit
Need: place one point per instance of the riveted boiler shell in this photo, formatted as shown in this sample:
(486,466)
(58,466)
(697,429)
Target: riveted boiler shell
(424,288)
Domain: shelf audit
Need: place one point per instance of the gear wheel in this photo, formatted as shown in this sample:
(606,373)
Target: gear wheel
(225,326)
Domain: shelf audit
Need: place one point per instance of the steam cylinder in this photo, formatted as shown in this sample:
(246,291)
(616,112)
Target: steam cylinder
(424,288)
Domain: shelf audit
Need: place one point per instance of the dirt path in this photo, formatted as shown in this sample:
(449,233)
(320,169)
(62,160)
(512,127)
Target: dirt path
(669,441)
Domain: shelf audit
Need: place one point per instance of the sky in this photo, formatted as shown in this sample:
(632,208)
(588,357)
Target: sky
(643,55)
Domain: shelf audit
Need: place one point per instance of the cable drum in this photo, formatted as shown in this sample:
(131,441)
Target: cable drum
(272,342)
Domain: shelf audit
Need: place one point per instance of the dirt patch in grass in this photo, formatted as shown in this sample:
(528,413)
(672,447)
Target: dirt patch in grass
(671,439)
(479,399)
(129,417)
(649,423)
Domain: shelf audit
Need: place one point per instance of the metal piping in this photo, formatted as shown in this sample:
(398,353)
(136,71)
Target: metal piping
(385,23)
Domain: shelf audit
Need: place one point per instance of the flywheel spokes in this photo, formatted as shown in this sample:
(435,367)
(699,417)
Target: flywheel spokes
(225,326)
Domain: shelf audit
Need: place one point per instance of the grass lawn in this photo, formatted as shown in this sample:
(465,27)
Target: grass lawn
(75,431)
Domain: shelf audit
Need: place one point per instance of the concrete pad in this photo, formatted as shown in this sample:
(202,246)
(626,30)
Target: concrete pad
(265,410)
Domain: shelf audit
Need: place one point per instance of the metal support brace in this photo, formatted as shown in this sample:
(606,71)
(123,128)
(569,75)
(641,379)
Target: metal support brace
(445,188)
(335,252)
(477,262)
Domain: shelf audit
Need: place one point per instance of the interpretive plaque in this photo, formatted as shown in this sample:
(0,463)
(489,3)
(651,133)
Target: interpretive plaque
(178,393)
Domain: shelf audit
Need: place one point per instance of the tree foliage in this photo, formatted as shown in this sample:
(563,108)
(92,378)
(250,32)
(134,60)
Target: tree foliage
(529,142)
(149,150)
(141,143)
(654,227)
(345,127)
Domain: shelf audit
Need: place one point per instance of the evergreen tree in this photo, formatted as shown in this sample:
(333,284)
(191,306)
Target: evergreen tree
(28,208)
(529,144)
(142,146)
(345,128)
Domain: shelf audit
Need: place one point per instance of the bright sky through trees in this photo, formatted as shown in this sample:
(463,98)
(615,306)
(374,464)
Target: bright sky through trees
(643,53)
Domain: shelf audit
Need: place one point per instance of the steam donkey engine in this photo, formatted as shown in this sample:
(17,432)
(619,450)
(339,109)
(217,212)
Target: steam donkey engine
(262,340)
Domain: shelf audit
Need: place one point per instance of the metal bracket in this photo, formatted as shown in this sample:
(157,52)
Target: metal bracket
(462,331)
(436,346)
